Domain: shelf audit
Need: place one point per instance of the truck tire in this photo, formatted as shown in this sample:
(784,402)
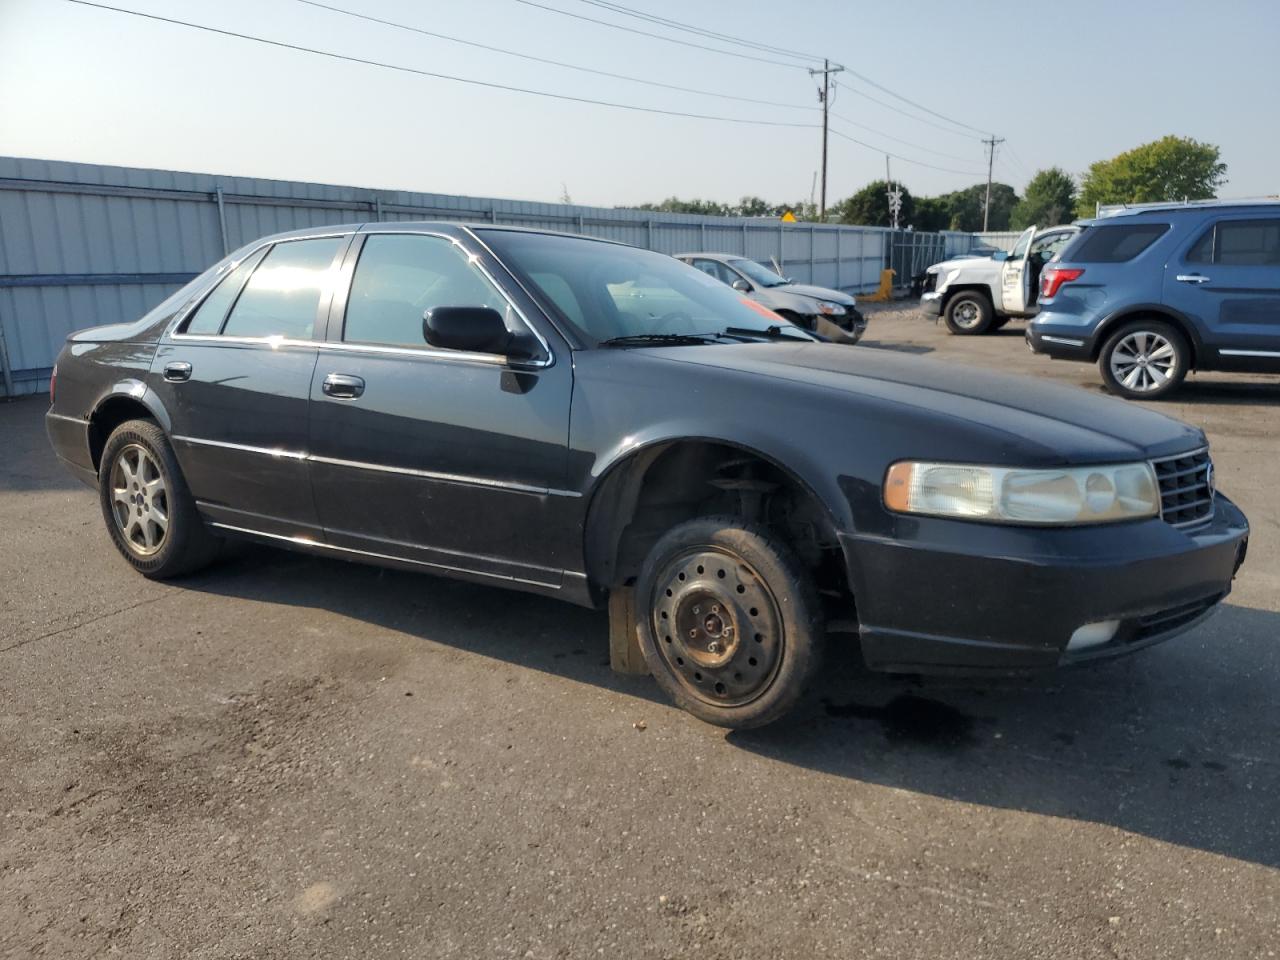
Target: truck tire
(729,621)
(969,313)
(150,514)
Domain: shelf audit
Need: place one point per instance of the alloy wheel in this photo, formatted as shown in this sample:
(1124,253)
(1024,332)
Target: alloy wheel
(139,500)
(717,627)
(1143,361)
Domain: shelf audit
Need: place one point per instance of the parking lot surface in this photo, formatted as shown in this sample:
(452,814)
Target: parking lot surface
(293,757)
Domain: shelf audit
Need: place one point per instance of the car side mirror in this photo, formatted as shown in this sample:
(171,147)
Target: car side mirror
(1000,255)
(741,286)
(474,329)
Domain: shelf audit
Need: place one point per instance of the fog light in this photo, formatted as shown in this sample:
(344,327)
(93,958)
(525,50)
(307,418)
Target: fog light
(1093,634)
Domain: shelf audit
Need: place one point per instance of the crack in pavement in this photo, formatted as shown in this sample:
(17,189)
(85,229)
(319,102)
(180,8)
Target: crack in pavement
(82,623)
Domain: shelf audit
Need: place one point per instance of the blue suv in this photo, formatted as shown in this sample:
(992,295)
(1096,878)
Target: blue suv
(1150,293)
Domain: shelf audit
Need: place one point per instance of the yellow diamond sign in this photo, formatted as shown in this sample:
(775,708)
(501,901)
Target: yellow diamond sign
(788,217)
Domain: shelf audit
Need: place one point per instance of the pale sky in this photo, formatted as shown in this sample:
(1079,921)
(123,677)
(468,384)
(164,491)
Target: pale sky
(1066,84)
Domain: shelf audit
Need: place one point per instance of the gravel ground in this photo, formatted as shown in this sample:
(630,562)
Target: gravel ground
(292,757)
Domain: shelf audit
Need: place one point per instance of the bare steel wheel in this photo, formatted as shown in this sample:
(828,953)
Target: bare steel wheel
(1144,360)
(148,508)
(721,633)
(139,500)
(731,622)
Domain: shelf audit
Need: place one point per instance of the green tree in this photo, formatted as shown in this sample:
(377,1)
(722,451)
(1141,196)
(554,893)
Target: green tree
(932,213)
(1050,200)
(1172,168)
(676,205)
(966,207)
(869,207)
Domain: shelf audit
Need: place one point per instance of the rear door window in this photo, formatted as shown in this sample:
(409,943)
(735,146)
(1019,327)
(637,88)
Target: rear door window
(1240,243)
(282,296)
(1117,243)
(209,315)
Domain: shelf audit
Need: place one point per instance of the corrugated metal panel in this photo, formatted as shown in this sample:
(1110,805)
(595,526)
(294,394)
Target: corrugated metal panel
(83,244)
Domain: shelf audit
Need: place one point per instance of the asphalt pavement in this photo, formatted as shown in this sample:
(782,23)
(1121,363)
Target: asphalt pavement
(294,757)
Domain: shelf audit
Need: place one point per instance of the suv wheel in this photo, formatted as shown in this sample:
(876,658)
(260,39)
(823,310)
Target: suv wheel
(969,313)
(1144,360)
(731,625)
(149,511)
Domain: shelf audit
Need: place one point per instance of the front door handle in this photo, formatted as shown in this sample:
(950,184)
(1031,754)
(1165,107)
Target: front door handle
(1192,278)
(342,386)
(177,372)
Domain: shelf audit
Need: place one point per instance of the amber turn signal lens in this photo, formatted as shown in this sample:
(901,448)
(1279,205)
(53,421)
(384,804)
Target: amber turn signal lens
(897,487)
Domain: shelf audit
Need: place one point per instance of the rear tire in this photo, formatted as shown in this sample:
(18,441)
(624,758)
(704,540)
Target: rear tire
(150,513)
(1144,360)
(969,313)
(729,621)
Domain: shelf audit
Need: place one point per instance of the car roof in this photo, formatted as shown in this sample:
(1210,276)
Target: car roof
(447,227)
(1260,204)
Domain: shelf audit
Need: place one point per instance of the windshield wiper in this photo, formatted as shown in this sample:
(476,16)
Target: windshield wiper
(670,339)
(773,332)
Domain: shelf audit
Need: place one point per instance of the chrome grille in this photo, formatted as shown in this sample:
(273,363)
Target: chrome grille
(1186,488)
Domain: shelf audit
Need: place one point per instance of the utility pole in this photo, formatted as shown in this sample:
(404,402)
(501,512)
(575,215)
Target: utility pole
(991,143)
(824,96)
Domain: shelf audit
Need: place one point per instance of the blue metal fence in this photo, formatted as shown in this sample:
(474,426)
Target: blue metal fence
(83,244)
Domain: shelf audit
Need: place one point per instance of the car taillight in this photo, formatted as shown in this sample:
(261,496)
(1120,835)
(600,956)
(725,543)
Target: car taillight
(53,384)
(1054,277)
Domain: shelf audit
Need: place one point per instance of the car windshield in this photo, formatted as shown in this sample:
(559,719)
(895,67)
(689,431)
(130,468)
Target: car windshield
(758,274)
(609,292)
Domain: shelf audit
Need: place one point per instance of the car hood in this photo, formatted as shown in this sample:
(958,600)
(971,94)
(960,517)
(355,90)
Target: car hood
(1061,424)
(966,263)
(817,293)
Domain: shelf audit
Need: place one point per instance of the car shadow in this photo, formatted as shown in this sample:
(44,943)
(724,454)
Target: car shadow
(26,460)
(1177,743)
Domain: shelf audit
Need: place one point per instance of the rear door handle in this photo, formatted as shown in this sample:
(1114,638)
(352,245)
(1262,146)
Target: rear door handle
(177,372)
(342,386)
(1191,278)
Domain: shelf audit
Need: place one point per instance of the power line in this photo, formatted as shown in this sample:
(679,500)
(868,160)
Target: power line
(880,150)
(867,80)
(700,31)
(910,116)
(889,136)
(554,63)
(728,38)
(441,76)
(658,36)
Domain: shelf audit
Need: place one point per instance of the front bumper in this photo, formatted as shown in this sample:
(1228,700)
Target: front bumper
(931,301)
(945,596)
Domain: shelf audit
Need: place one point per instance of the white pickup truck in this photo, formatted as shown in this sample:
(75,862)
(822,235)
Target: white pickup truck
(978,294)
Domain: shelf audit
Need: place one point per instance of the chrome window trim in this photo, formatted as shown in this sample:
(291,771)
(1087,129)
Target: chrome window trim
(474,260)
(300,455)
(321,545)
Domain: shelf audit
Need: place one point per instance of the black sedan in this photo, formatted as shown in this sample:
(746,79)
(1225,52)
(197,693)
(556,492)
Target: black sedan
(583,419)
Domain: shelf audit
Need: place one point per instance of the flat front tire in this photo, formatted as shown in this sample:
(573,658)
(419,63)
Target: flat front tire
(969,313)
(730,623)
(1144,360)
(150,514)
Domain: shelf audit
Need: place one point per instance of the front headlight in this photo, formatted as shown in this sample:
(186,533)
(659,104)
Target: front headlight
(830,309)
(1100,494)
